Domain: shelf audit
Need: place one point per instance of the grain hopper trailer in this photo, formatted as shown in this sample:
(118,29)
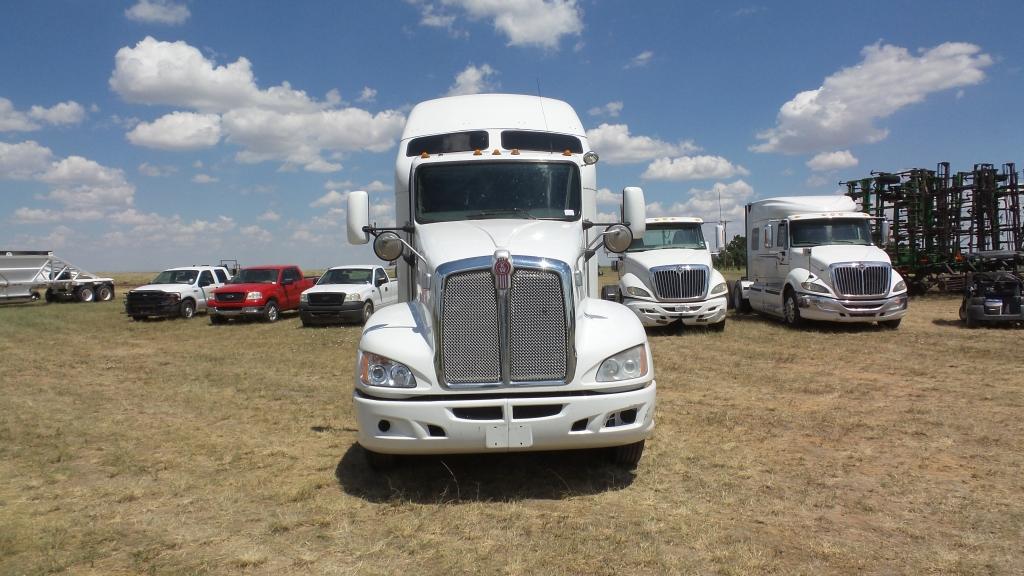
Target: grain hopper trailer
(24,274)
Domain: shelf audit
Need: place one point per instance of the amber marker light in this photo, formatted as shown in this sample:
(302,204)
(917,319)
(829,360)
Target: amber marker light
(477,152)
(567,152)
(424,154)
(496,152)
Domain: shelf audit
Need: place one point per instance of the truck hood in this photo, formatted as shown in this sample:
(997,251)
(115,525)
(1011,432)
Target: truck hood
(667,257)
(172,288)
(824,256)
(449,241)
(247,287)
(338,288)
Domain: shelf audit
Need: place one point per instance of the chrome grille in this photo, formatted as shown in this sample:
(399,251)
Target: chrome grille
(327,298)
(861,280)
(536,326)
(469,329)
(680,282)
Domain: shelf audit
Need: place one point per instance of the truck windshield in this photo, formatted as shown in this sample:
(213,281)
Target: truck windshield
(176,277)
(830,231)
(505,189)
(255,276)
(347,276)
(674,236)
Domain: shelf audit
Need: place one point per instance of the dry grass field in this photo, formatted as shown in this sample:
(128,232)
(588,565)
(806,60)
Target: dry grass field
(177,447)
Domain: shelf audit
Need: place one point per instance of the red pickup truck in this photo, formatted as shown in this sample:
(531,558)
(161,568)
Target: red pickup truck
(261,292)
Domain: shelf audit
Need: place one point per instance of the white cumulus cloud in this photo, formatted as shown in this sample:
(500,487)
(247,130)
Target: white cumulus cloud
(24,160)
(692,168)
(843,111)
(611,109)
(256,233)
(473,80)
(640,60)
(616,145)
(269,216)
(331,198)
(14,120)
(156,171)
(178,131)
(205,179)
(832,161)
(158,12)
(540,23)
(704,203)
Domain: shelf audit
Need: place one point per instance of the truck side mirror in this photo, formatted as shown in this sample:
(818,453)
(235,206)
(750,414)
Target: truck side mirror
(387,246)
(358,217)
(617,238)
(634,210)
(885,233)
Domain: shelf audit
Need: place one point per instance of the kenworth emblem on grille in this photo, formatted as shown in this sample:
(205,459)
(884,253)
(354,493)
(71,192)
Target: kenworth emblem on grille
(502,270)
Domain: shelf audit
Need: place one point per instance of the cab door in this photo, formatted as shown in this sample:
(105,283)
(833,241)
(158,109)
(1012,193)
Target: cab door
(205,286)
(388,292)
(290,287)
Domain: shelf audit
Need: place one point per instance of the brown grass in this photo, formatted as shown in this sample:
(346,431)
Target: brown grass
(180,447)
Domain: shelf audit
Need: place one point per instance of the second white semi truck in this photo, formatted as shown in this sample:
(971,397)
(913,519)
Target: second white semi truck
(667,276)
(812,258)
(499,341)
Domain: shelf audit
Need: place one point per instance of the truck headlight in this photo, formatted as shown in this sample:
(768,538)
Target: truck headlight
(353,297)
(376,370)
(303,298)
(625,365)
(721,288)
(637,292)
(254,295)
(900,286)
(813,287)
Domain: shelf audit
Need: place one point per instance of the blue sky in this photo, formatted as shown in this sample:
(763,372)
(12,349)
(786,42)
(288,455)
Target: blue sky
(143,134)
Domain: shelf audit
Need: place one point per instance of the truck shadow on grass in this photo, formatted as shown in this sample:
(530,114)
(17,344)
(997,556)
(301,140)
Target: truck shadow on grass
(467,478)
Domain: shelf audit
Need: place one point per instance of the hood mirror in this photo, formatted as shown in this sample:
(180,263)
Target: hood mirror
(387,246)
(617,238)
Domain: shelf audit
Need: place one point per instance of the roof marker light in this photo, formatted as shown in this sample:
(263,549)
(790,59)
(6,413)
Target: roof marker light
(496,152)
(567,152)
(477,152)
(515,151)
(424,154)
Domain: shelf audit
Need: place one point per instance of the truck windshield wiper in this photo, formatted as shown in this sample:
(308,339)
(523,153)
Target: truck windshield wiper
(501,212)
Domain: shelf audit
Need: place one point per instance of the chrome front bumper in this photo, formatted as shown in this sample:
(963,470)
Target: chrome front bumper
(815,307)
(702,313)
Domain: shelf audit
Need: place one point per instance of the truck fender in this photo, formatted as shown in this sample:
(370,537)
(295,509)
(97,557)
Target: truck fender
(796,277)
(630,279)
(401,332)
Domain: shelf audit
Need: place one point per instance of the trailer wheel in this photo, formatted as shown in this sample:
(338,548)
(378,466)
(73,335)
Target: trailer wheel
(85,293)
(271,312)
(104,293)
(740,304)
(49,296)
(188,309)
(628,456)
(791,309)
(34,296)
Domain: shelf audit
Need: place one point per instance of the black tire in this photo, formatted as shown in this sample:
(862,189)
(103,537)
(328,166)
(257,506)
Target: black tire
(611,293)
(972,322)
(187,309)
(85,294)
(49,296)
(963,311)
(717,326)
(367,311)
(271,312)
(214,319)
(104,293)
(891,324)
(791,309)
(33,296)
(138,318)
(379,462)
(628,456)
(740,304)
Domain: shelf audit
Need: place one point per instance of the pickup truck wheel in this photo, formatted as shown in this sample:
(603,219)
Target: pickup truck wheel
(717,326)
(367,311)
(739,303)
(791,309)
(188,309)
(271,312)
(49,296)
(104,293)
(628,456)
(85,294)
(891,324)
(379,462)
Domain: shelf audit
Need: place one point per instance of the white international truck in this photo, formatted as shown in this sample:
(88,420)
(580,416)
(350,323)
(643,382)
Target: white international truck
(499,341)
(667,276)
(812,258)
(347,294)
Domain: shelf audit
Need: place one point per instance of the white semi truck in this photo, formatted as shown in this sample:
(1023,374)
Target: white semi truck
(499,341)
(812,258)
(667,276)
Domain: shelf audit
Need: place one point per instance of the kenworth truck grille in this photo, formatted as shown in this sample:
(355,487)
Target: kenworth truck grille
(680,282)
(529,342)
(861,279)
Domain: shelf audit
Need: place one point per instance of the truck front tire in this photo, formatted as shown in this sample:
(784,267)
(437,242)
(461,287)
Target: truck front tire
(628,456)
(791,309)
(739,303)
(367,311)
(188,309)
(271,312)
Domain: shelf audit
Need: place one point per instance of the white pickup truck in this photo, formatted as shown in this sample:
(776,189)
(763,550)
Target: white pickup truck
(347,294)
(667,276)
(176,292)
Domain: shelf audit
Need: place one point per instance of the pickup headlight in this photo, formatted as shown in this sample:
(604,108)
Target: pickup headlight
(625,365)
(303,297)
(637,292)
(375,370)
(353,297)
(254,295)
(811,286)
(719,289)
(900,286)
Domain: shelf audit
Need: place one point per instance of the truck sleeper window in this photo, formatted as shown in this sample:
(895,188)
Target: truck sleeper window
(832,231)
(346,276)
(505,189)
(678,236)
